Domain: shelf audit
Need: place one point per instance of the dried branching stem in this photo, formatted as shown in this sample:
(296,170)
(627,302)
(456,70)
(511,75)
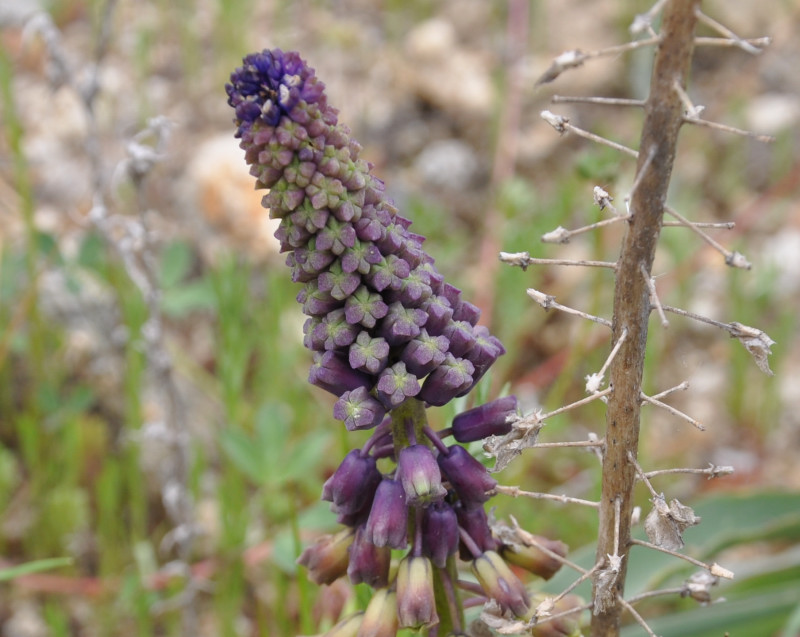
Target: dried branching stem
(651,285)
(516,492)
(733,259)
(712,471)
(548,301)
(674,412)
(714,568)
(524,259)
(561,125)
(663,118)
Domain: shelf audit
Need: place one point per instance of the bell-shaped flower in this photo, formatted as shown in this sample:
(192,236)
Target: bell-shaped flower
(327,559)
(499,582)
(387,524)
(416,603)
(439,532)
(353,484)
(419,474)
(467,475)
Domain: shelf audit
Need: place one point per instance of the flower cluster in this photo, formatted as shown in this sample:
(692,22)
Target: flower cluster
(389,337)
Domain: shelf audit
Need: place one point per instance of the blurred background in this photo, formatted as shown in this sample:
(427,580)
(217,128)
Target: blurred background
(153,527)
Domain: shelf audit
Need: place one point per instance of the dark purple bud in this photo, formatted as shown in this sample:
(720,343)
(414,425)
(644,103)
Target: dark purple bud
(401,324)
(499,582)
(424,353)
(310,336)
(468,312)
(291,235)
(388,273)
(336,236)
(396,384)
(365,308)
(473,520)
(459,333)
(452,294)
(447,381)
(369,354)
(357,409)
(331,372)
(316,302)
(413,290)
(324,192)
(439,532)
(439,314)
(388,519)
(487,349)
(368,228)
(419,474)
(360,258)
(312,259)
(334,331)
(300,173)
(467,475)
(339,283)
(416,603)
(392,239)
(327,559)
(487,420)
(309,218)
(369,564)
(353,484)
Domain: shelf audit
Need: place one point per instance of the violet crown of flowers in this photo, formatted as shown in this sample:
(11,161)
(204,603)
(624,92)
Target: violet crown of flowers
(372,294)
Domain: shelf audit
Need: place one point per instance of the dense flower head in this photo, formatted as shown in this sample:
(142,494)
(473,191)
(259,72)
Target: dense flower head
(389,336)
(373,295)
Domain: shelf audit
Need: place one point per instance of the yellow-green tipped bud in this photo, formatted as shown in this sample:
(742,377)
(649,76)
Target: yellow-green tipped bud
(416,604)
(327,559)
(380,618)
(499,582)
(347,627)
(533,559)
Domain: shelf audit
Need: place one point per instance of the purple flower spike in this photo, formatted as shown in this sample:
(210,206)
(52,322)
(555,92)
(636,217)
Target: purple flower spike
(331,372)
(358,410)
(499,582)
(353,484)
(395,385)
(388,520)
(487,420)
(419,474)
(368,563)
(439,533)
(467,475)
(447,381)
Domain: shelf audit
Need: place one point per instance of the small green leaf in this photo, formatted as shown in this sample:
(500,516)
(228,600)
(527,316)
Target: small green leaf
(7,574)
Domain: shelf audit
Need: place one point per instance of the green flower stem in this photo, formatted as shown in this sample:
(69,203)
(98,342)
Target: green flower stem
(410,416)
